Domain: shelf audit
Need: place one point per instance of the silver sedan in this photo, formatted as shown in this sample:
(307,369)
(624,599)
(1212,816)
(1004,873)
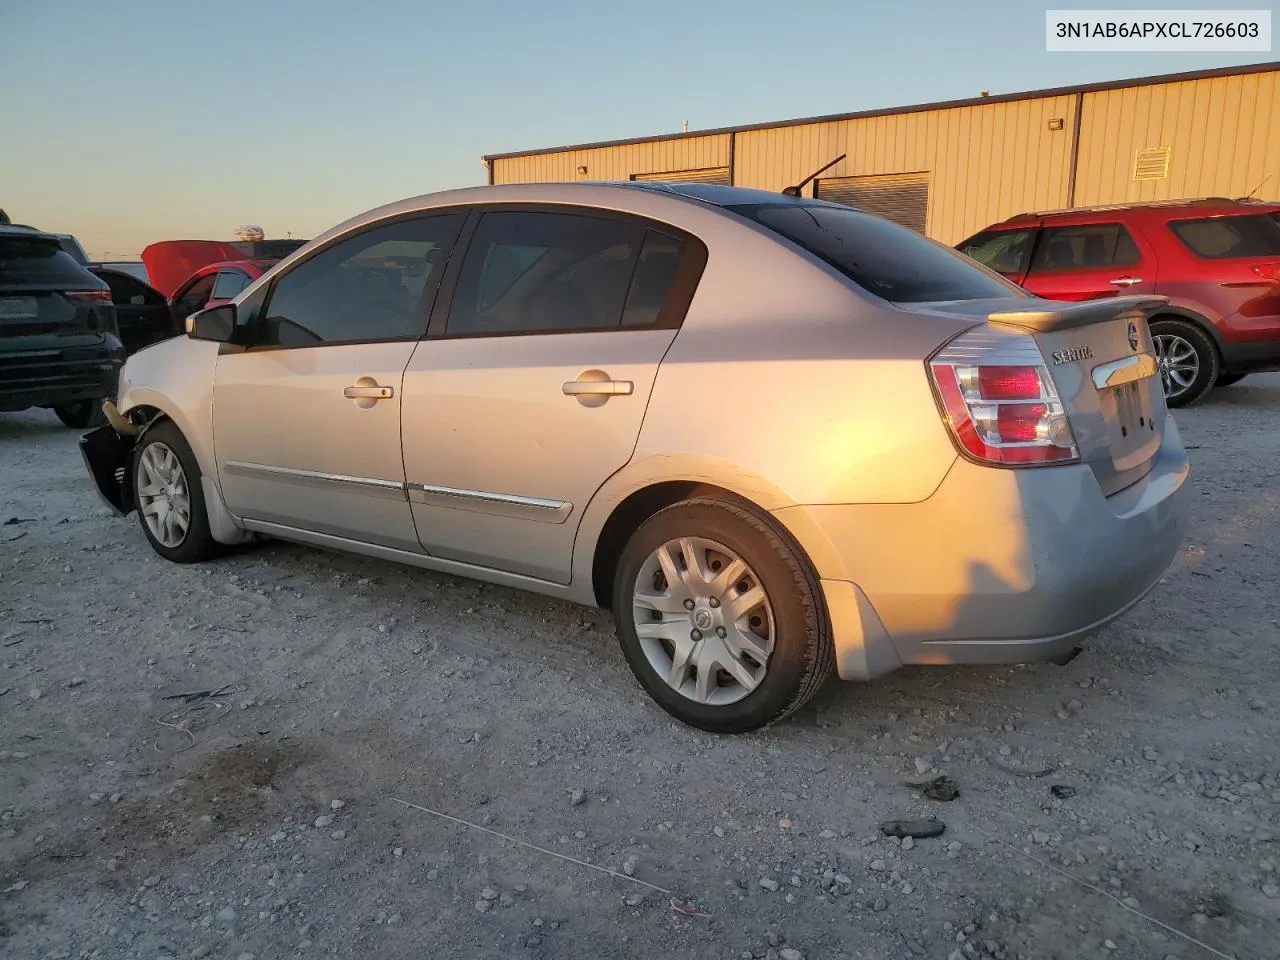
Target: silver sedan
(776,437)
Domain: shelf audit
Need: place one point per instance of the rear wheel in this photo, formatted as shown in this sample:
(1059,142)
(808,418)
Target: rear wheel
(1227,379)
(169,497)
(1187,358)
(82,414)
(720,617)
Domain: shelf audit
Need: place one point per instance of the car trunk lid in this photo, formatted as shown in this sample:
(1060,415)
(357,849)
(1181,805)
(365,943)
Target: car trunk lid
(1100,356)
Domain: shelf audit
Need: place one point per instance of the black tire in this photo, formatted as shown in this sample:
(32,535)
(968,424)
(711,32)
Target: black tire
(1227,379)
(803,653)
(197,544)
(1209,365)
(81,415)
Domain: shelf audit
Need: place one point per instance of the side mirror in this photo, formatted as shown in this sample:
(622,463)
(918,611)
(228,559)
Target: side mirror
(216,323)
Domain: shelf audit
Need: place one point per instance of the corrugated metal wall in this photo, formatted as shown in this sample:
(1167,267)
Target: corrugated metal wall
(616,163)
(1223,134)
(986,162)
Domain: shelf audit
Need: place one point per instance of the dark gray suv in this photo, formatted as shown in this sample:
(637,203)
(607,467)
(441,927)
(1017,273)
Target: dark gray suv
(59,343)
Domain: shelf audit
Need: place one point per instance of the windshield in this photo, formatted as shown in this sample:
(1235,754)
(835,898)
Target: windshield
(882,257)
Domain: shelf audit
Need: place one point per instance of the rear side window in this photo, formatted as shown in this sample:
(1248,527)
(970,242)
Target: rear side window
(528,272)
(883,258)
(1084,246)
(39,260)
(1215,238)
(1006,251)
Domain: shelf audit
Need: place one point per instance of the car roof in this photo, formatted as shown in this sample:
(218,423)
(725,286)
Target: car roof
(1198,206)
(19,230)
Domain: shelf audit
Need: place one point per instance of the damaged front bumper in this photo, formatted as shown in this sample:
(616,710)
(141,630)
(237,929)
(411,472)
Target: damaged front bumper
(107,452)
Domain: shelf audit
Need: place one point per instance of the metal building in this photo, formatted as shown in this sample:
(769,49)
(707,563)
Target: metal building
(950,169)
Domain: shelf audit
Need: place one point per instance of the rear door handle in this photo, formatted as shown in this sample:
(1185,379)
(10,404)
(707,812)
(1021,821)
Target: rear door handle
(369,393)
(598,388)
(1124,281)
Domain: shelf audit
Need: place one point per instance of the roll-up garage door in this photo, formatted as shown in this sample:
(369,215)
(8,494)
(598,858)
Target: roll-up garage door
(902,198)
(718,175)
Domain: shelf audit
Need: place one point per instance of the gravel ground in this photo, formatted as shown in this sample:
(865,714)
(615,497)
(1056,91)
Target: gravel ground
(260,821)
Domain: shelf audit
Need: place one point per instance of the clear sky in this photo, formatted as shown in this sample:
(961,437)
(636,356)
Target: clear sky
(131,121)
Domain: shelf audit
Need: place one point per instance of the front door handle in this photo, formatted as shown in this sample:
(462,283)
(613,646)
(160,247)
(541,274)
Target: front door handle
(1124,281)
(369,393)
(598,388)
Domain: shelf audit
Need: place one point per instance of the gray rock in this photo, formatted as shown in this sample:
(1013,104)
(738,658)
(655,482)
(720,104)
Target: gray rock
(488,893)
(908,843)
(339,834)
(322,822)
(227,914)
(578,797)
(790,953)
(923,765)
(881,905)
(629,865)
(769,884)
(200,952)
(337,804)
(484,906)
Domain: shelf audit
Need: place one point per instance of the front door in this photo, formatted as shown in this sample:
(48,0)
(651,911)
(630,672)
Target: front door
(307,418)
(531,389)
(1089,261)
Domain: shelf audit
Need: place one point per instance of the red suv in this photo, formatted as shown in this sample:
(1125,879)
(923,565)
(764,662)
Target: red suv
(1218,262)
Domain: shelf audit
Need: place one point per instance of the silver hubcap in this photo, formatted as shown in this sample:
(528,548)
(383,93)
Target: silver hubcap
(163,497)
(703,620)
(1179,363)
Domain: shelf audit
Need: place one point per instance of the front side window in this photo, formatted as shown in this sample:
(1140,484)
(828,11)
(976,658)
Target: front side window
(228,284)
(888,260)
(1214,238)
(1084,246)
(377,285)
(1005,251)
(195,296)
(534,272)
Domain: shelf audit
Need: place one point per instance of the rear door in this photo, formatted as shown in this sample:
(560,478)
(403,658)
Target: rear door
(530,390)
(1007,251)
(1088,261)
(1232,264)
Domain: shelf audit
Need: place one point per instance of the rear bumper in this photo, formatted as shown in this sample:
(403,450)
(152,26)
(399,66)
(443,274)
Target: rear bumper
(998,566)
(1253,357)
(58,375)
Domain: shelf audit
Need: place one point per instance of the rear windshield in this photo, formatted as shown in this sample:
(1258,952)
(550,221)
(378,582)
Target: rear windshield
(1217,238)
(882,257)
(39,260)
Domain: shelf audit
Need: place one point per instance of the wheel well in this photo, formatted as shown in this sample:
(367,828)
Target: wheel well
(626,520)
(1204,326)
(143,414)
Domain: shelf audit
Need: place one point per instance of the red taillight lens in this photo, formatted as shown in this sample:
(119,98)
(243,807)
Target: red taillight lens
(1268,271)
(1001,412)
(89,296)
(1009,383)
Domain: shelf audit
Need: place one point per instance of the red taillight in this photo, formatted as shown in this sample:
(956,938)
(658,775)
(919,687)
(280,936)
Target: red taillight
(1009,383)
(88,296)
(1268,271)
(1002,412)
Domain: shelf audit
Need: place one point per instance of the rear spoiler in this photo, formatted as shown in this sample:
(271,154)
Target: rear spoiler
(1067,316)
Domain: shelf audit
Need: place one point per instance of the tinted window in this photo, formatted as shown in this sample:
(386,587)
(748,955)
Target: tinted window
(890,261)
(129,291)
(1256,235)
(530,272)
(654,276)
(1084,246)
(38,260)
(72,246)
(228,284)
(1004,250)
(377,285)
(195,296)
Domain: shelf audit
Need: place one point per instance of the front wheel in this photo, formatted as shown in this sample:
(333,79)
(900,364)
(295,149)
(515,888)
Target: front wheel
(169,497)
(1187,358)
(81,415)
(720,617)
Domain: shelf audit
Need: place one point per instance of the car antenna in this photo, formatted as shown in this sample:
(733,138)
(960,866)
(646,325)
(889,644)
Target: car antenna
(795,191)
(1251,194)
